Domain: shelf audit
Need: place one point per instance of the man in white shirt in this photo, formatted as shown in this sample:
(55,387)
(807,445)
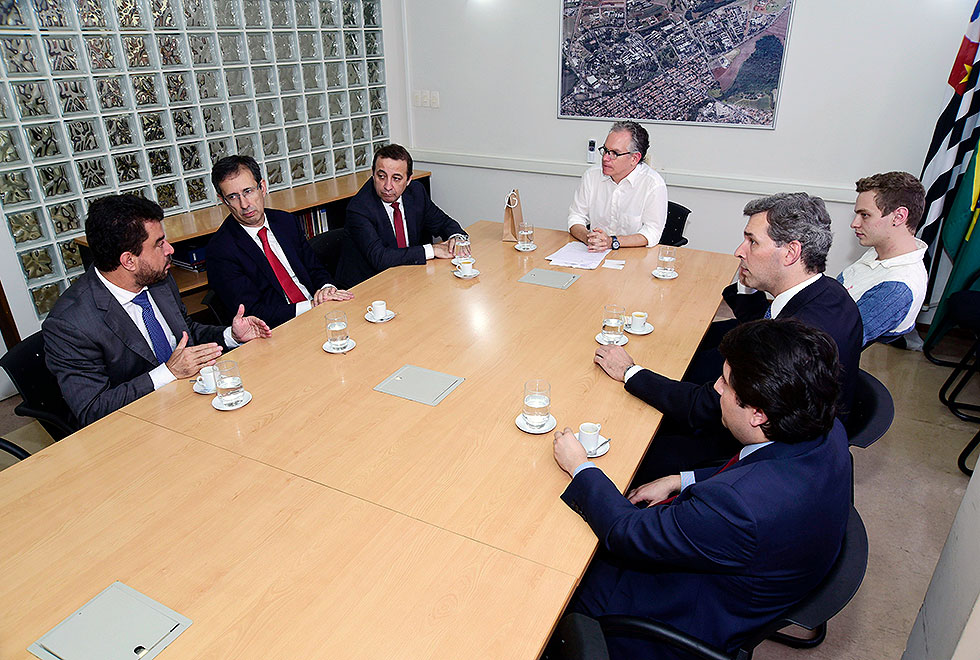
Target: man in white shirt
(120,331)
(260,257)
(889,281)
(623,201)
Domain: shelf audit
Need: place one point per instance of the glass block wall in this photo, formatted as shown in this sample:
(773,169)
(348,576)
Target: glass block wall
(104,96)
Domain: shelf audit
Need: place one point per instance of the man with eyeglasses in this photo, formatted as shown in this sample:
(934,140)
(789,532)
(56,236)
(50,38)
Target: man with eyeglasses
(623,201)
(260,257)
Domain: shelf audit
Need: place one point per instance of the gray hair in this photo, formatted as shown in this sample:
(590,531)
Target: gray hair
(797,217)
(639,138)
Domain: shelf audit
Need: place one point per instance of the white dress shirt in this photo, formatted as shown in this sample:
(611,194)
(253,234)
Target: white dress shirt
(160,374)
(303,306)
(429,252)
(636,205)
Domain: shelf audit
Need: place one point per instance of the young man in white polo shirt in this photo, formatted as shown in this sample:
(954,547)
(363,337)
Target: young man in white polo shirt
(888,282)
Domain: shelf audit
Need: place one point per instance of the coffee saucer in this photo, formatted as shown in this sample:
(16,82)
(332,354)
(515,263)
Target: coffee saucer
(646,329)
(200,389)
(370,317)
(455,260)
(664,274)
(548,426)
(216,402)
(466,277)
(601,450)
(350,344)
(605,342)
(530,247)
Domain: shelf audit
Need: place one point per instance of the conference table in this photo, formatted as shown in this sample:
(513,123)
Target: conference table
(327,519)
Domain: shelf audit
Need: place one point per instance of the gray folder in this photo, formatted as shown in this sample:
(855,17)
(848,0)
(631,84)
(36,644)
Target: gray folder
(118,624)
(553,278)
(418,384)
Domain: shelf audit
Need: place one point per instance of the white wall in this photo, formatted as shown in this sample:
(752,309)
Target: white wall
(863,85)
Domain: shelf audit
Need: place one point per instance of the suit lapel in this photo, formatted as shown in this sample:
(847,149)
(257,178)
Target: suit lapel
(251,250)
(803,298)
(163,296)
(119,322)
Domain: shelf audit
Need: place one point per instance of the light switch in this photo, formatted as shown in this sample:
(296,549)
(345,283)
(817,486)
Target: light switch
(434,99)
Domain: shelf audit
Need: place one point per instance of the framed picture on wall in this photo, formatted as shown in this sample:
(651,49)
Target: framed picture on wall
(689,61)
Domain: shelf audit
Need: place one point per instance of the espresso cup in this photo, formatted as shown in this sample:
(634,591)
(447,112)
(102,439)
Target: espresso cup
(208,378)
(638,320)
(379,309)
(466,266)
(588,435)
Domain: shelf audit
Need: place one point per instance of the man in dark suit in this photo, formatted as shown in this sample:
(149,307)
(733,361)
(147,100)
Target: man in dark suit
(784,254)
(739,544)
(121,331)
(391,221)
(259,257)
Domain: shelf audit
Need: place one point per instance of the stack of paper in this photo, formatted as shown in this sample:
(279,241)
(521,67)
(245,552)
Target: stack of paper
(577,255)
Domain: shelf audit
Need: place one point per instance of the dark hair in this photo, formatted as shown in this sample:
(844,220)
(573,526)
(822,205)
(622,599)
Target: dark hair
(639,138)
(797,217)
(394,152)
(115,225)
(788,370)
(894,189)
(228,167)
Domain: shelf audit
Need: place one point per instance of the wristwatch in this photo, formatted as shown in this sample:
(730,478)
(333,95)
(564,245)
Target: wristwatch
(615,243)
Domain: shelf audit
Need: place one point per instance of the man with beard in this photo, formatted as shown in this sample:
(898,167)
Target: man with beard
(121,331)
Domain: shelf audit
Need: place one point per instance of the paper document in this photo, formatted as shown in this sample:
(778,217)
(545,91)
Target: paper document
(577,255)
(615,264)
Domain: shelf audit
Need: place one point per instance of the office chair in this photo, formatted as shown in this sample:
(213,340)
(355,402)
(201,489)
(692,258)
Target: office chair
(871,413)
(579,637)
(42,398)
(674,227)
(14,450)
(964,311)
(217,308)
(327,248)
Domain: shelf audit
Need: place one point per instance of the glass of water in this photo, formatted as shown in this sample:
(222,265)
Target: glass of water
(668,256)
(461,248)
(537,403)
(613,320)
(337,336)
(229,382)
(525,235)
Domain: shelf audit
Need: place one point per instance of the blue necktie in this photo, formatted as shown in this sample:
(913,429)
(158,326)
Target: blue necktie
(768,314)
(161,347)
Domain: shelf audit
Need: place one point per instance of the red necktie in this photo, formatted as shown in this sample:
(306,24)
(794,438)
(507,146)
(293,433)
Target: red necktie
(732,461)
(399,227)
(287,283)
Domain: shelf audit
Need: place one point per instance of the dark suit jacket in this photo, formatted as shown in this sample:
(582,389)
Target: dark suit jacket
(239,272)
(100,358)
(728,554)
(372,246)
(825,305)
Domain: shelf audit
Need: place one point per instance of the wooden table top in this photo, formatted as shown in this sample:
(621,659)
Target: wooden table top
(204,222)
(462,465)
(265,563)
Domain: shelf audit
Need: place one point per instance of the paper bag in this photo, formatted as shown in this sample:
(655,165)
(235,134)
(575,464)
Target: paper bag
(513,216)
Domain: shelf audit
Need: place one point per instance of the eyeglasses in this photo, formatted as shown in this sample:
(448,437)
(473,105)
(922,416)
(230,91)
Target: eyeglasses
(614,154)
(248,193)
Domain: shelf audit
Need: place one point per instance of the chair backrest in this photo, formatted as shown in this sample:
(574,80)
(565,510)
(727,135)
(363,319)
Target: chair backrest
(674,228)
(871,412)
(217,308)
(43,401)
(327,248)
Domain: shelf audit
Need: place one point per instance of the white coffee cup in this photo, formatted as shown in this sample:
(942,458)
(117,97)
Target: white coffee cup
(466,266)
(588,435)
(379,309)
(207,378)
(638,320)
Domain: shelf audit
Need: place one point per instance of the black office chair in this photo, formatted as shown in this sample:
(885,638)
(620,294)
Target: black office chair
(964,311)
(674,228)
(872,411)
(579,637)
(217,308)
(42,398)
(327,247)
(13,449)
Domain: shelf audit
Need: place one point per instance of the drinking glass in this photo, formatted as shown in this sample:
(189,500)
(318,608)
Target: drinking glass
(461,248)
(613,320)
(668,256)
(525,235)
(229,382)
(537,403)
(337,330)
